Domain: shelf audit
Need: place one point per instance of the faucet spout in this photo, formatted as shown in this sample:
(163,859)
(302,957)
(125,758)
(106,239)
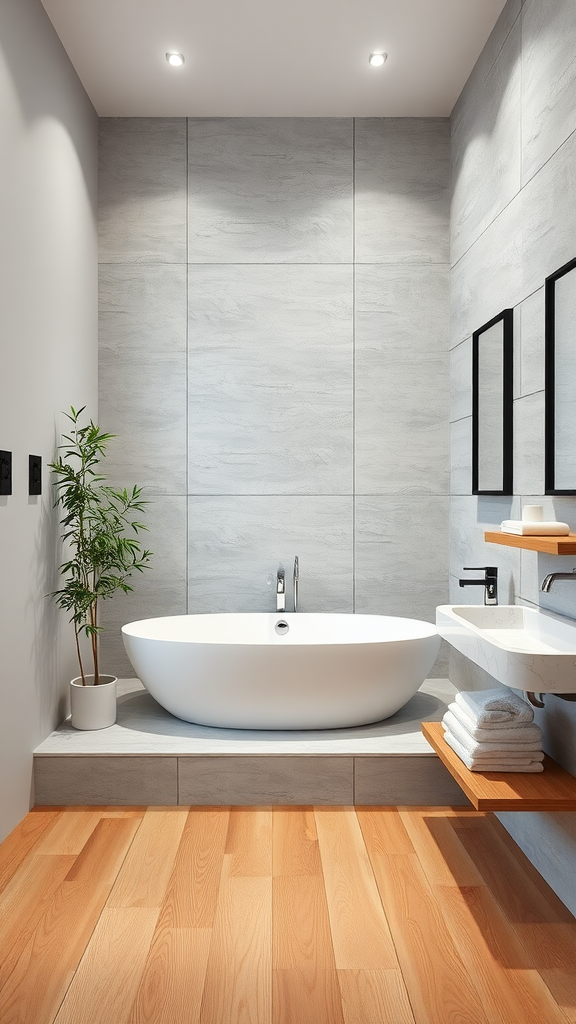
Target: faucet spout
(552,577)
(281,590)
(295,582)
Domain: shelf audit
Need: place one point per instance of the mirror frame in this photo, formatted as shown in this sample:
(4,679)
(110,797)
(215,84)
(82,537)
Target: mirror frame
(549,381)
(507,318)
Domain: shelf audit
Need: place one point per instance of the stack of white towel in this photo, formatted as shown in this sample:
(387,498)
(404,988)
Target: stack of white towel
(494,731)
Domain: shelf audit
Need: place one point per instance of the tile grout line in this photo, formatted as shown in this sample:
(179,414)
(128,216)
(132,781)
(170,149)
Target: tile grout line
(353,364)
(187,415)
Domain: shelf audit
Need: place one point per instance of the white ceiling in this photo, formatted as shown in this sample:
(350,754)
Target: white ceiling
(275,58)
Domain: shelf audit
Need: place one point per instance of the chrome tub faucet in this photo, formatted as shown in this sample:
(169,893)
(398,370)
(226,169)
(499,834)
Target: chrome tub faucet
(281,590)
(295,582)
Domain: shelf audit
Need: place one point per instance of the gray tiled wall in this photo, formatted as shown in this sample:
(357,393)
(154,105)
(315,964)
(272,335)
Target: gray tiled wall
(513,224)
(274,359)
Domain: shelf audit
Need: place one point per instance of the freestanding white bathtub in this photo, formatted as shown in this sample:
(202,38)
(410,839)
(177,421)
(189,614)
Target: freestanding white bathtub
(281,670)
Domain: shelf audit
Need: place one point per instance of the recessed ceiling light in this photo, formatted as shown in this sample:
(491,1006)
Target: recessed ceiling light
(377,59)
(175,59)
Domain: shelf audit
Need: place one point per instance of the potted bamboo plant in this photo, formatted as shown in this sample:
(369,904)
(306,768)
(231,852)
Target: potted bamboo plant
(101,535)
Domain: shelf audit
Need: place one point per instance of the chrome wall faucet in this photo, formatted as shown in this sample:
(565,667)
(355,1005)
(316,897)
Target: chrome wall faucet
(281,590)
(295,582)
(490,581)
(553,576)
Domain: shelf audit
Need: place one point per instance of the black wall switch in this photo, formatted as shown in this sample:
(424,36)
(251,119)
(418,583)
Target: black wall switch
(34,474)
(5,472)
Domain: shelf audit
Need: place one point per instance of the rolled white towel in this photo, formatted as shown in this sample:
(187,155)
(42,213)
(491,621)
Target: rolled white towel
(505,764)
(529,529)
(507,735)
(487,708)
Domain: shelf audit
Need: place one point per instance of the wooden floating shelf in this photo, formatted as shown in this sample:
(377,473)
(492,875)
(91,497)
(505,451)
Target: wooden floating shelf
(554,789)
(549,545)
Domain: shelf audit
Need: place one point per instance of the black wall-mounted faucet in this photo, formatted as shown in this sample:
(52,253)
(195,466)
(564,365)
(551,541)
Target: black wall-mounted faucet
(490,581)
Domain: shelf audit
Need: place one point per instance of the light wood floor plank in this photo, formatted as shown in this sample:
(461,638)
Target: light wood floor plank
(302,936)
(144,876)
(510,988)
(238,985)
(387,830)
(170,991)
(353,900)
(295,842)
(45,968)
(249,842)
(22,841)
(435,977)
(442,856)
(306,996)
(374,997)
(106,983)
(70,831)
(23,905)
(192,892)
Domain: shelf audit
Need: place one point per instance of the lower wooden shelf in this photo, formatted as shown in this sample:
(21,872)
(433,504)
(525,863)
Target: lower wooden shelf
(554,789)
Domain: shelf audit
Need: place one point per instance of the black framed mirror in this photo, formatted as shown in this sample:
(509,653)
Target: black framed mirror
(492,396)
(560,381)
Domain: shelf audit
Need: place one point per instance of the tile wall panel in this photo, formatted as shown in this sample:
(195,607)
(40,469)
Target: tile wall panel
(270,379)
(270,190)
(236,544)
(402,190)
(142,190)
(549,80)
(486,149)
(142,365)
(402,385)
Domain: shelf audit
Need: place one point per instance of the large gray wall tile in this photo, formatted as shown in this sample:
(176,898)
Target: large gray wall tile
(142,367)
(488,277)
(266,780)
(270,190)
(529,444)
(549,217)
(402,190)
(461,380)
(401,555)
(529,344)
(237,544)
(548,80)
(106,780)
(159,590)
(402,379)
(142,190)
(461,456)
(549,842)
(270,379)
(408,781)
(487,59)
(486,149)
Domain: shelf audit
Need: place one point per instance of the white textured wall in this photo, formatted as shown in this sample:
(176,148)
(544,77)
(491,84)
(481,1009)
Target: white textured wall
(274,358)
(513,224)
(48,360)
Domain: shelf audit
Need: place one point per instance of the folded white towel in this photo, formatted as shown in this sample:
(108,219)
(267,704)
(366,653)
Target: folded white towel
(505,764)
(528,529)
(494,707)
(476,748)
(508,735)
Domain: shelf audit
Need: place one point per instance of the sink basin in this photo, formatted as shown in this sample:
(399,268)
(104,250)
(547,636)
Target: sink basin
(524,648)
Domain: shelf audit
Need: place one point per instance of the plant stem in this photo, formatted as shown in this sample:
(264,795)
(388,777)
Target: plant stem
(80,658)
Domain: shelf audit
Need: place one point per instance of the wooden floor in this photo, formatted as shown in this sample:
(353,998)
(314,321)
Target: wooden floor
(278,916)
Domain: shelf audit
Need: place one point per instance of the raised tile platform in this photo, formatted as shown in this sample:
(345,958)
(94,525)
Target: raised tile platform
(150,757)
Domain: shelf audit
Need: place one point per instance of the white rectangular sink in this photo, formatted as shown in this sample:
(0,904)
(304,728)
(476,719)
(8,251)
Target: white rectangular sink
(524,648)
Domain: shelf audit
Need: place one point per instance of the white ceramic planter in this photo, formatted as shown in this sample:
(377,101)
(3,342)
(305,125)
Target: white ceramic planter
(93,707)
